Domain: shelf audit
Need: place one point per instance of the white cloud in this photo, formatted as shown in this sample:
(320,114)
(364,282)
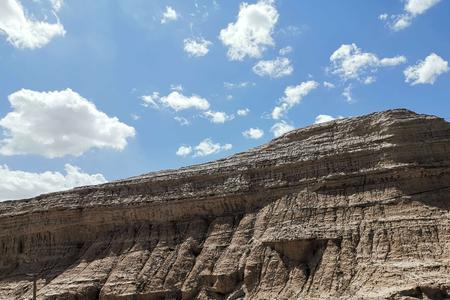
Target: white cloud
(217,117)
(426,71)
(279,67)
(328,85)
(281,128)
(286,50)
(182,121)
(349,62)
(208,147)
(176,87)
(383,17)
(204,148)
(412,9)
(292,30)
(229,97)
(292,96)
(169,15)
(176,101)
(418,7)
(243,84)
(401,22)
(58,123)
(184,151)
(253,133)
(325,118)
(19,184)
(151,100)
(347,93)
(392,61)
(243,112)
(135,117)
(57,4)
(369,80)
(252,31)
(196,46)
(22,31)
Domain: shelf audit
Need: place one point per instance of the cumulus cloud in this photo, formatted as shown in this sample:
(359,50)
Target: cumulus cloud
(58,123)
(176,101)
(19,184)
(169,15)
(418,7)
(411,10)
(281,128)
(426,71)
(292,96)
(350,63)
(325,118)
(276,68)
(196,46)
(252,31)
(208,147)
(184,151)
(23,31)
(243,112)
(253,133)
(204,148)
(217,117)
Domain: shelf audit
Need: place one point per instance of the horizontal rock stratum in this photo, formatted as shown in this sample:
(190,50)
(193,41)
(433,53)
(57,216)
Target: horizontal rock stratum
(356,208)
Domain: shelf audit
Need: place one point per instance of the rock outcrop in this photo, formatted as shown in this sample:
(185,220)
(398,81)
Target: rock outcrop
(350,209)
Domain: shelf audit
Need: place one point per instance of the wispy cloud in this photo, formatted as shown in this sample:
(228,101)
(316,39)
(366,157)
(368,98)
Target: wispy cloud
(411,10)
(292,96)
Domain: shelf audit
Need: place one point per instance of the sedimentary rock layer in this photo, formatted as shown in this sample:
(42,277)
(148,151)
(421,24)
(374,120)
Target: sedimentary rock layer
(351,209)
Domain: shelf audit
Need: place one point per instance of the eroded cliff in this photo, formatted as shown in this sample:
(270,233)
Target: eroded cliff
(351,209)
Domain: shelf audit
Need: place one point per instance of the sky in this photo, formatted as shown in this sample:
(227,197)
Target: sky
(95,91)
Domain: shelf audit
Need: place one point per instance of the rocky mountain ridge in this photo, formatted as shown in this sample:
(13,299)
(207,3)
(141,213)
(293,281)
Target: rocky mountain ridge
(355,208)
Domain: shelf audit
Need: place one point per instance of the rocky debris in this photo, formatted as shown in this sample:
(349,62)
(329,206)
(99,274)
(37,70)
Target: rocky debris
(350,209)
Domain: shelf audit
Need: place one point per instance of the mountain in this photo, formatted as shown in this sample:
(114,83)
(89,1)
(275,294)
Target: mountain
(355,208)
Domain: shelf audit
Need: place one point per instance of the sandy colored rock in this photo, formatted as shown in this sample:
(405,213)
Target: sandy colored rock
(351,209)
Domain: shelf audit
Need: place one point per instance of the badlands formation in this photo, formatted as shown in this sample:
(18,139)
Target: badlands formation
(356,208)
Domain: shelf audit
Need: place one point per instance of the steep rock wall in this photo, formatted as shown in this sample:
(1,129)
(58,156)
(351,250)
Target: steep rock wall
(351,209)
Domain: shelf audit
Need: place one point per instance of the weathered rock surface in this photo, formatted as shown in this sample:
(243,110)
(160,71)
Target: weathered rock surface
(351,209)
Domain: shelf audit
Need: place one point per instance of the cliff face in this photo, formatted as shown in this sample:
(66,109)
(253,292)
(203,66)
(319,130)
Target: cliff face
(352,209)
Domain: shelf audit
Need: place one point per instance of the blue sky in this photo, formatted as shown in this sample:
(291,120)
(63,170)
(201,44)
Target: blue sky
(103,89)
